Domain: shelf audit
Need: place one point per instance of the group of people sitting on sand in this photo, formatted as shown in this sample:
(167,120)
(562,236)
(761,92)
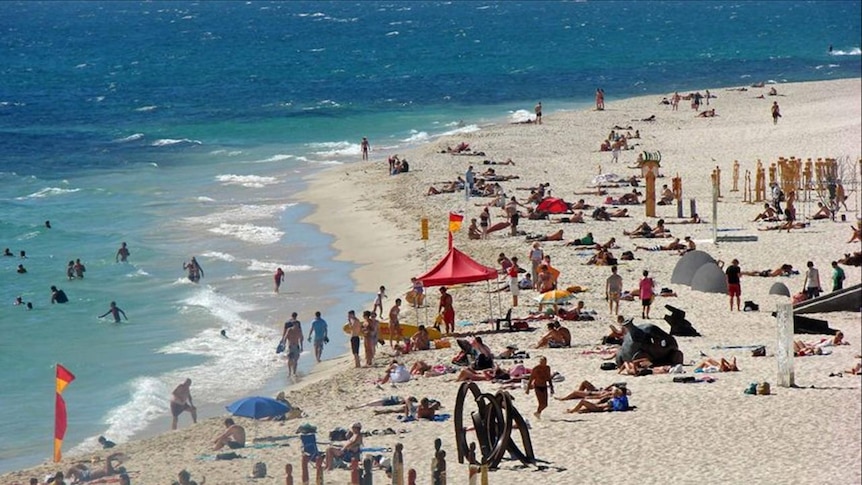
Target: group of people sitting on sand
(398,165)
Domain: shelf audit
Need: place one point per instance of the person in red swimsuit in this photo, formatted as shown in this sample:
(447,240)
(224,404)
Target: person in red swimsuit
(447,310)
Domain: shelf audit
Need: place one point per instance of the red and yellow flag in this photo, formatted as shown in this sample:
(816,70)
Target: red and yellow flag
(455,221)
(64,377)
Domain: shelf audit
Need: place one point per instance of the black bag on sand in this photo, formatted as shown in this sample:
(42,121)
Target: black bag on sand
(608,366)
(259,470)
(231,455)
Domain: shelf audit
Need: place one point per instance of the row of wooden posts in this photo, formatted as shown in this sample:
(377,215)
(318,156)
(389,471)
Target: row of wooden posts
(363,474)
(789,173)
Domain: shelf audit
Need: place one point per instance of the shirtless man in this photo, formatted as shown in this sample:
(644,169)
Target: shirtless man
(767,215)
(233,437)
(115,311)
(674,245)
(446,309)
(181,401)
(82,473)
(355,326)
(394,323)
(293,339)
(613,290)
(538,110)
(195,272)
(122,253)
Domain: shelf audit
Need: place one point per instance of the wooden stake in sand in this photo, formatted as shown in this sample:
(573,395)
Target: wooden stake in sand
(735,176)
(784,355)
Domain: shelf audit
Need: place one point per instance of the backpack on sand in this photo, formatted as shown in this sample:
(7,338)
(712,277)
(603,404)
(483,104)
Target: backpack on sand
(259,470)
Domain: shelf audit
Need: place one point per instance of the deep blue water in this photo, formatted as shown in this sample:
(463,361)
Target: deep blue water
(182,127)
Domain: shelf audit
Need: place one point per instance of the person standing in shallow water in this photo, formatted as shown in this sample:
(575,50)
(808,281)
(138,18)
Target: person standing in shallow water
(115,311)
(279,278)
(122,253)
(194,270)
(365,147)
(538,110)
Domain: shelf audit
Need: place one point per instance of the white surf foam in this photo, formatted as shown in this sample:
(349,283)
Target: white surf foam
(220,256)
(416,137)
(856,51)
(335,149)
(250,181)
(249,233)
(270,267)
(520,116)
(165,142)
(135,137)
(242,213)
(48,192)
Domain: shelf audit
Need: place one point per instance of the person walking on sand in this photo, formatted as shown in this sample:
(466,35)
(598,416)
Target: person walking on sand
(776,112)
(647,286)
(837,276)
(395,323)
(116,312)
(355,326)
(512,273)
(613,291)
(122,253)
(319,331)
(365,147)
(538,110)
(378,301)
(541,381)
(734,289)
(279,278)
(181,401)
(446,309)
(811,285)
(536,255)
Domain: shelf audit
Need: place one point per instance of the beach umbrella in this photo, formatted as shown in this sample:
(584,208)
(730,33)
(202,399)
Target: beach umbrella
(554,297)
(257,407)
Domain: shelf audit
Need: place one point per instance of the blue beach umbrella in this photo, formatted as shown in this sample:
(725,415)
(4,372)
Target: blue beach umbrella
(257,407)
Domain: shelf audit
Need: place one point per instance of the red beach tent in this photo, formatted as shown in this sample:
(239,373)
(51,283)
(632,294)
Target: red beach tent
(552,205)
(456,268)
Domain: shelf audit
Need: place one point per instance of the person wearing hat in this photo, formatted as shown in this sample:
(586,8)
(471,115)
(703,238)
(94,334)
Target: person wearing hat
(348,451)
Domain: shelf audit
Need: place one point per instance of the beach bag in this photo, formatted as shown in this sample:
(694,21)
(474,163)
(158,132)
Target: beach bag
(227,456)
(259,470)
(763,389)
(338,434)
(627,256)
(279,348)
(520,325)
(759,351)
(306,428)
(751,389)
(608,366)
(750,306)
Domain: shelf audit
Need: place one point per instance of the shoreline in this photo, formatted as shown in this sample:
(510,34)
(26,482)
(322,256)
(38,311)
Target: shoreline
(380,235)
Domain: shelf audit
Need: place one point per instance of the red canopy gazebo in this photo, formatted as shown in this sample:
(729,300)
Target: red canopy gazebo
(458,268)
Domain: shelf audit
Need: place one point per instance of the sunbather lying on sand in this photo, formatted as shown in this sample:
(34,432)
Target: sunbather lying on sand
(497,373)
(642,367)
(857,233)
(448,187)
(582,241)
(491,162)
(386,401)
(709,113)
(82,473)
(674,245)
(644,230)
(619,401)
(586,390)
(783,270)
(802,349)
(555,236)
(786,226)
(711,365)
(575,218)
(580,205)
(603,257)
(631,198)
(408,409)
(694,219)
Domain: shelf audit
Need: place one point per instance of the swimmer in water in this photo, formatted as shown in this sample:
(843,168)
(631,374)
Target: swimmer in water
(122,253)
(194,269)
(224,333)
(115,311)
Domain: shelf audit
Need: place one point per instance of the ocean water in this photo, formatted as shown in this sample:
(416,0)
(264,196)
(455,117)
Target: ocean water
(185,128)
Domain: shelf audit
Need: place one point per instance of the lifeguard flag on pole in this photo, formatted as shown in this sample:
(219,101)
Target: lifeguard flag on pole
(455,221)
(64,377)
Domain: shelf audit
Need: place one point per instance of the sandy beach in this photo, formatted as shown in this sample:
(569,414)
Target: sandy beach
(687,434)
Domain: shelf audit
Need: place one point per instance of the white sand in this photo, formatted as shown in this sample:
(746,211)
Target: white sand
(697,433)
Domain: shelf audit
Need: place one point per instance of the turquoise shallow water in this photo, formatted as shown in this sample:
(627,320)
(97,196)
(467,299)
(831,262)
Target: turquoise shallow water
(183,128)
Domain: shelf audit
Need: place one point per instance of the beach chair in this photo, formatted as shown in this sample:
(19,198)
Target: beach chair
(506,321)
(309,446)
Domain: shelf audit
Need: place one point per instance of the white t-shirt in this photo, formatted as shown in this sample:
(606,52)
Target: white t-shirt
(812,278)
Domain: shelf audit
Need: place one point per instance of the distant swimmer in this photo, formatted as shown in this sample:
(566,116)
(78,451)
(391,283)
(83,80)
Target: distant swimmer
(123,253)
(115,311)
(23,254)
(70,270)
(19,300)
(21,269)
(79,268)
(365,147)
(830,47)
(194,269)
(224,333)
(279,278)
(58,296)
(7,252)
(48,224)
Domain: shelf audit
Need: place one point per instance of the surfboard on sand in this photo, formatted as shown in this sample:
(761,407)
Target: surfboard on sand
(407,331)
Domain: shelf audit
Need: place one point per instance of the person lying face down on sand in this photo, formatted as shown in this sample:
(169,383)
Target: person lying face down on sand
(83,473)
(674,245)
(554,236)
(783,270)
(645,231)
(603,257)
(448,187)
(618,401)
(710,113)
(642,367)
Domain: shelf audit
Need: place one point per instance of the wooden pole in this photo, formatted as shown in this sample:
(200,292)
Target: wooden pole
(288,471)
(367,468)
(735,176)
(784,355)
(318,476)
(438,476)
(398,465)
(305,475)
(354,471)
(411,477)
